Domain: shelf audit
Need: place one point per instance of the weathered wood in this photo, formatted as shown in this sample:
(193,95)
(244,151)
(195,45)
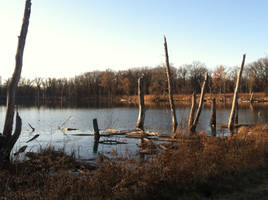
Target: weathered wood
(235,98)
(192,111)
(140,122)
(251,97)
(11,92)
(199,109)
(10,140)
(96,135)
(33,129)
(236,112)
(213,117)
(170,90)
(213,113)
(96,127)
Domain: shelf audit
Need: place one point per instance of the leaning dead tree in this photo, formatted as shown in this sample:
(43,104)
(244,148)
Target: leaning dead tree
(10,139)
(192,127)
(140,122)
(235,98)
(170,90)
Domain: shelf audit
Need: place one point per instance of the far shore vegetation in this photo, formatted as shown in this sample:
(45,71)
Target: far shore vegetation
(98,86)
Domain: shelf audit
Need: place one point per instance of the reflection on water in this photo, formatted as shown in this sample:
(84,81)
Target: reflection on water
(46,122)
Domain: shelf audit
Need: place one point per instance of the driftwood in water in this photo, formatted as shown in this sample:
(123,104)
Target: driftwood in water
(112,142)
(33,129)
(170,90)
(63,123)
(140,122)
(33,138)
(10,141)
(192,111)
(69,129)
(199,109)
(235,98)
(21,150)
(236,125)
(213,117)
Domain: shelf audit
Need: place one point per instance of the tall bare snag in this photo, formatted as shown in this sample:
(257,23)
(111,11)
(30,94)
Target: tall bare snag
(235,98)
(170,90)
(140,122)
(10,139)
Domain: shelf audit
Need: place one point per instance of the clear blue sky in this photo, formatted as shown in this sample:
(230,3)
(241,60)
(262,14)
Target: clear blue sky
(69,37)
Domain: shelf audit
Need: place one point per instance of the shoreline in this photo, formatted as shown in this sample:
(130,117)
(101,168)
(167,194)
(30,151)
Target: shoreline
(185,99)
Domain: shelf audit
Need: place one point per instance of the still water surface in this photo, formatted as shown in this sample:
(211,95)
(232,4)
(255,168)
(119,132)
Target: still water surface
(47,120)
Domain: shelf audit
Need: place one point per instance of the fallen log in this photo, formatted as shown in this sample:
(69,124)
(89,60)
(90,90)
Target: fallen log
(112,142)
(236,125)
(69,129)
(34,137)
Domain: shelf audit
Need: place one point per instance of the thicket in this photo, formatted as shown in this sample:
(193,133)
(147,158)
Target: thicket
(203,167)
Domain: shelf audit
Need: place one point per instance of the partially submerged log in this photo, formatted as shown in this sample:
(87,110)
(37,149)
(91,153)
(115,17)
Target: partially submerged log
(33,138)
(170,90)
(33,129)
(21,150)
(112,142)
(69,129)
(235,98)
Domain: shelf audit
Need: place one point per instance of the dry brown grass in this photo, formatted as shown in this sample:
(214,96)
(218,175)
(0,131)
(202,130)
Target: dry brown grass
(202,167)
(185,99)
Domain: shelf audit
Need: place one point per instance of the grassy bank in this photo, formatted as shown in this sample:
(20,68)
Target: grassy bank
(201,168)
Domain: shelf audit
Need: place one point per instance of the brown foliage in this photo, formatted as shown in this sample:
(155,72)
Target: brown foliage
(201,166)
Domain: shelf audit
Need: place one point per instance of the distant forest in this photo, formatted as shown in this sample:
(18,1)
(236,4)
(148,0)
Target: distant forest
(97,85)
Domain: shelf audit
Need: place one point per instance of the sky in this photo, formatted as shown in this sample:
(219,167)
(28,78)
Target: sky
(69,37)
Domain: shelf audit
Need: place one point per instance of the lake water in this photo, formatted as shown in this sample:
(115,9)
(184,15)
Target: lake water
(47,120)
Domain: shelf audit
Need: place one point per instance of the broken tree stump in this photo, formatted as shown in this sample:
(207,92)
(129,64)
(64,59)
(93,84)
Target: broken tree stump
(96,127)
(213,117)
(199,109)
(96,135)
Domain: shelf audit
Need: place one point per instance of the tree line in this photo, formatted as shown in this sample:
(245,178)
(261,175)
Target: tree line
(100,85)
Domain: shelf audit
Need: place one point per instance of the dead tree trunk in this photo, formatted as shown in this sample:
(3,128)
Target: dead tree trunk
(251,97)
(11,92)
(236,111)
(170,90)
(213,113)
(235,98)
(213,117)
(140,122)
(199,109)
(192,111)
(96,135)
